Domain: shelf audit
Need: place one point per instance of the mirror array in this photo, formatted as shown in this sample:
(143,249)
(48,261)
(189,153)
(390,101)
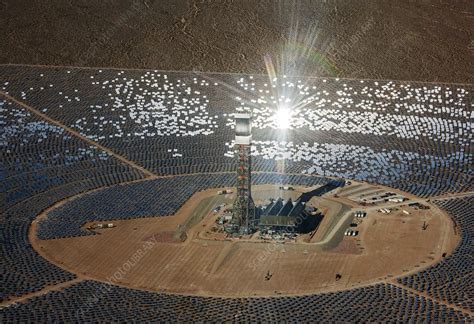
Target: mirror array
(176,123)
(366,107)
(411,136)
(91,301)
(41,164)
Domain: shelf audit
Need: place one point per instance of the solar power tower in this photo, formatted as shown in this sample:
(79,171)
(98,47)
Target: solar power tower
(244,207)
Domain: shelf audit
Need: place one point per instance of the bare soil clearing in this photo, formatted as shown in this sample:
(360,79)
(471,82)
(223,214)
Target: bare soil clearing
(389,245)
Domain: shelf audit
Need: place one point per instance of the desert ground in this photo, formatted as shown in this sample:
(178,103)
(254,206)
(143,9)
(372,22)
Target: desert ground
(388,246)
(401,40)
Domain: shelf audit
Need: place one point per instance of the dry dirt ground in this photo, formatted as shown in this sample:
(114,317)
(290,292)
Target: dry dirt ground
(405,39)
(388,246)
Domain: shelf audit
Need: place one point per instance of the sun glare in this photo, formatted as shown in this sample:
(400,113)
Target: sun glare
(283,118)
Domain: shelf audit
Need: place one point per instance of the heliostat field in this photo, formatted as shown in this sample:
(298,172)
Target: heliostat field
(140,148)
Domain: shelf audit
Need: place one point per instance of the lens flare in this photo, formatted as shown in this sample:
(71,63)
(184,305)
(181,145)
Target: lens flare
(283,118)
